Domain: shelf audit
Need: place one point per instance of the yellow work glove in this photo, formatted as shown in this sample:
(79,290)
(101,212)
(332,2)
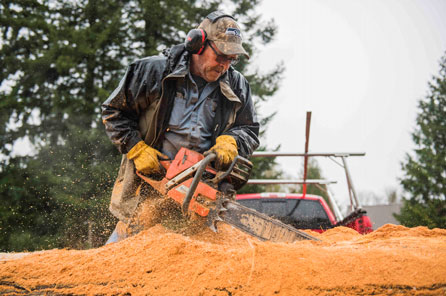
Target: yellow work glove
(226,150)
(146,158)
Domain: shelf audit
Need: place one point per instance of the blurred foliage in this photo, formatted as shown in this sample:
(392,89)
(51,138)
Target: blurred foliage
(425,170)
(392,196)
(267,168)
(314,172)
(263,168)
(58,61)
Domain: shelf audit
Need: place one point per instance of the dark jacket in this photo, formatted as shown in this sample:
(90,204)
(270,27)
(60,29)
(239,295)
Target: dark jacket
(140,107)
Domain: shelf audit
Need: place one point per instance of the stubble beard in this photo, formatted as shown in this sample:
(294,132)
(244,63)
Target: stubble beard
(216,71)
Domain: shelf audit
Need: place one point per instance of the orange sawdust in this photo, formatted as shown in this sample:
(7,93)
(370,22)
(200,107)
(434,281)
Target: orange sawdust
(393,260)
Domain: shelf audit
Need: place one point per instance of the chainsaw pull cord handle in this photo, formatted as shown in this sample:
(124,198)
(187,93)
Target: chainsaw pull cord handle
(198,174)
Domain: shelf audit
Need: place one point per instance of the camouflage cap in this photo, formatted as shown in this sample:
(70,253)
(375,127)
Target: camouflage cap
(226,34)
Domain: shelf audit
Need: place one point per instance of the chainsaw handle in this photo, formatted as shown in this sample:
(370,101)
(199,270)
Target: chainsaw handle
(198,174)
(238,159)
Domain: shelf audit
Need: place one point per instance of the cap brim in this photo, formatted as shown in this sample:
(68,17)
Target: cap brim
(231,48)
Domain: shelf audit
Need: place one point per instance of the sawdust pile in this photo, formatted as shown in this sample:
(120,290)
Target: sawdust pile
(393,260)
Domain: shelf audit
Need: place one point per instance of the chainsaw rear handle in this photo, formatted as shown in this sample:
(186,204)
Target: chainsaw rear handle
(198,174)
(241,161)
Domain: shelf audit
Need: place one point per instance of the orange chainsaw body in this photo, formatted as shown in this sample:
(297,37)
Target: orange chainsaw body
(204,196)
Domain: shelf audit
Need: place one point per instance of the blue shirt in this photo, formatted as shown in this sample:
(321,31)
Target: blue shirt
(192,117)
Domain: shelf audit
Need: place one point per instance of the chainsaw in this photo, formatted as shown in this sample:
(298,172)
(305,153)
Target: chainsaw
(198,188)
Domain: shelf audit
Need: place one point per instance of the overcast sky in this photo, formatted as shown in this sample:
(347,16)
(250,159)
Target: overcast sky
(360,67)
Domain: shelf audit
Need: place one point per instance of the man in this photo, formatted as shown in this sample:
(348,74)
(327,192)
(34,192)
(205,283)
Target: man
(190,97)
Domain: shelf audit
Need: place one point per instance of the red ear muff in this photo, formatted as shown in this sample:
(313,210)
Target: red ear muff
(195,41)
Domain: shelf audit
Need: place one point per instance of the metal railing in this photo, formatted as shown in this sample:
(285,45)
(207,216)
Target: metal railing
(354,201)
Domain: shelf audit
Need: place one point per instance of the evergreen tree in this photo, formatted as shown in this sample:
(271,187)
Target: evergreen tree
(264,167)
(425,171)
(314,173)
(64,69)
(59,61)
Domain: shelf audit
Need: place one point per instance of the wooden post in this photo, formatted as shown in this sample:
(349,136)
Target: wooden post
(307,138)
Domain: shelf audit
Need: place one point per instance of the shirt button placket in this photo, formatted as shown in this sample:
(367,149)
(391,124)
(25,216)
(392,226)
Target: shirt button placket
(193,128)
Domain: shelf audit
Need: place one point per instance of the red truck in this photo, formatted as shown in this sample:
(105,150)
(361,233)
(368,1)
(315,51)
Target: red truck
(307,211)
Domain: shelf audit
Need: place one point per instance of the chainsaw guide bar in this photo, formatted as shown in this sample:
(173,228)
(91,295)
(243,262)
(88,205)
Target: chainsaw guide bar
(254,223)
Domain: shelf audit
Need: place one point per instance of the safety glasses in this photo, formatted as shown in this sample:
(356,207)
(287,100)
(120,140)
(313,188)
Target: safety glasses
(222,58)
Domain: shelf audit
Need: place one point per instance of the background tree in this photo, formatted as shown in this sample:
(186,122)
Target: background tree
(391,196)
(370,198)
(425,170)
(59,60)
(59,71)
(314,172)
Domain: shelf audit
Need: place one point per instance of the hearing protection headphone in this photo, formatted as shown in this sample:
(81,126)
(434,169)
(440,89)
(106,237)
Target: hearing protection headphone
(196,38)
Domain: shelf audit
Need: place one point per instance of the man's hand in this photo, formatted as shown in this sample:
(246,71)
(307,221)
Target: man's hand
(226,150)
(146,158)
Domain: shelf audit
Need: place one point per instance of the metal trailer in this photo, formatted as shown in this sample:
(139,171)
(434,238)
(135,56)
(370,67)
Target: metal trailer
(354,201)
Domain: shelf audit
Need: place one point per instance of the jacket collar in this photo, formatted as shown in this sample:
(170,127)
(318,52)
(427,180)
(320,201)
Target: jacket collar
(178,60)
(226,89)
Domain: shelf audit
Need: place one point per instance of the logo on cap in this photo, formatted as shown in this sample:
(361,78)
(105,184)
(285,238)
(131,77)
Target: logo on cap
(233,32)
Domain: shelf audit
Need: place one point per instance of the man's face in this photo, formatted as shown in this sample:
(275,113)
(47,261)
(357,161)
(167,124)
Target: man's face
(211,64)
